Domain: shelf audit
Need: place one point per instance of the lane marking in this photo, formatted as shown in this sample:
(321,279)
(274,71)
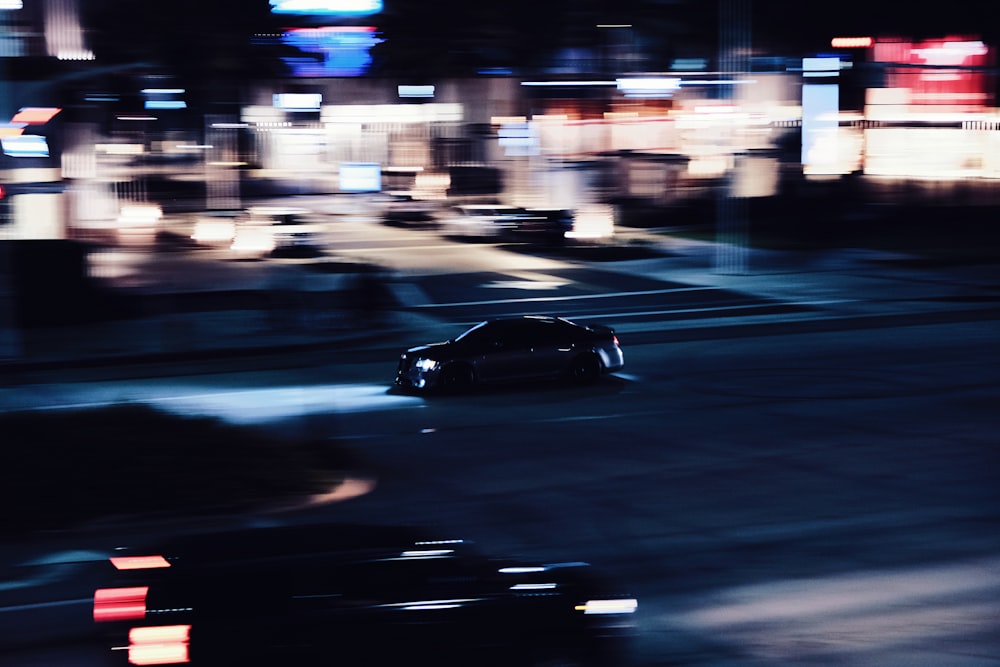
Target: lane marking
(573,297)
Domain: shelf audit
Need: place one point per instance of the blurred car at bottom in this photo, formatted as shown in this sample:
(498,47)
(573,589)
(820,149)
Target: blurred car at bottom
(513,349)
(354,594)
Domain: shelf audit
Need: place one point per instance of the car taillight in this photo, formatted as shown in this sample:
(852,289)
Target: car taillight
(120,604)
(159,645)
(614,339)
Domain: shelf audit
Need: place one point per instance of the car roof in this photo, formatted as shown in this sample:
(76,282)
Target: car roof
(531,318)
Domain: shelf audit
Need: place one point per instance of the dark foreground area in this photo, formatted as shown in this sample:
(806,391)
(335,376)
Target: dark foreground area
(66,468)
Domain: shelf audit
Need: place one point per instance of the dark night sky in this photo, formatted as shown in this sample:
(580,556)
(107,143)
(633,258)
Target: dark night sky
(804,25)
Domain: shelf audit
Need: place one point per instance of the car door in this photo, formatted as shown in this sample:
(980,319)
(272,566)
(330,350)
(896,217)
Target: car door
(502,352)
(413,608)
(551,348)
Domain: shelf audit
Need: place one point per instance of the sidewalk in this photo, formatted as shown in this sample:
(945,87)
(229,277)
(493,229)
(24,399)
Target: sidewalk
(845,285)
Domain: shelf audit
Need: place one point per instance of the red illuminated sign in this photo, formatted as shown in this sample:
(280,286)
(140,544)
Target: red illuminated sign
(35,115)
(948,71)
(851,42)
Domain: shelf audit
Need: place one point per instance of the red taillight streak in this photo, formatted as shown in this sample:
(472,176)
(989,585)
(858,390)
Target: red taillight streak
(615,339)
(139,562)
(120,604)
(159,645)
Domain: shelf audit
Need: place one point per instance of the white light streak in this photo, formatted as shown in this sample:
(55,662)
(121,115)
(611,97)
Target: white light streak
(569,83)
(267,404)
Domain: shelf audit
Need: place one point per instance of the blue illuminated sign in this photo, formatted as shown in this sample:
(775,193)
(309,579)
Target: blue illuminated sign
(343,50)
(327,7)
(25,145)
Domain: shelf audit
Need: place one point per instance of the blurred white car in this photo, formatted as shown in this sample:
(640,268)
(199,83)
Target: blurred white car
(216,228)
(269,230)
(482,220)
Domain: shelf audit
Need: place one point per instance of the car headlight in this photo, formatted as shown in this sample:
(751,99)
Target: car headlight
(426,364)
(617,606)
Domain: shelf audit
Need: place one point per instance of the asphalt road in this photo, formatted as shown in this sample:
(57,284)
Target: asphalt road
(776,495)
(810,498)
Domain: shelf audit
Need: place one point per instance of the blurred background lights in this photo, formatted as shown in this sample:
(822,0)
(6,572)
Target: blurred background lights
(416,91)
(334,50)
(649,86)
(851,42)
(327,7)
(11,129)
(35,115)
(25,145)
(298,101)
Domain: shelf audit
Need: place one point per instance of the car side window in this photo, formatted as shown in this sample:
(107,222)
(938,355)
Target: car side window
(548,333)
(521,335)
(499,336)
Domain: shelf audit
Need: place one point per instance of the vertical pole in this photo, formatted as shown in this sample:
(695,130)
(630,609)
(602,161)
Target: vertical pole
(222,184)
(731,225)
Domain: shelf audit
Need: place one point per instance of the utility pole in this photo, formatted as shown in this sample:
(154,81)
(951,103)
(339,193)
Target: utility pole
(731,224)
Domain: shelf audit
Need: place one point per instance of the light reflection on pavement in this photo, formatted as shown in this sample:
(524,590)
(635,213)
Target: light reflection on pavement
(239,406)
(265,404)
(863,613)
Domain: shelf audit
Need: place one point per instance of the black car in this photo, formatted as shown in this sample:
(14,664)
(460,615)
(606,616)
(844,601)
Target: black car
(501,222)
(353,594)
(510,349)
(405,211)
(545,225)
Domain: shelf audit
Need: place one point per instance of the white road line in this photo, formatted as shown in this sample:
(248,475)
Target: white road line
(574,297)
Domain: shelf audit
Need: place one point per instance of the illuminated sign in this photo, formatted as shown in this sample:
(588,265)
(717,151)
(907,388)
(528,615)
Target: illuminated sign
(851,42)
(938,71)
(298,101)
(360,177)
(25,145)
(649,86)
(163,98)
(338,50)
(12,129)
(820,106)
(519,139)
(327,7)
(820,67)
(164,104)
(430,112)
(35,115)
(416,91)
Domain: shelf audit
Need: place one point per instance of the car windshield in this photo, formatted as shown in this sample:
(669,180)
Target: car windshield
(472,332)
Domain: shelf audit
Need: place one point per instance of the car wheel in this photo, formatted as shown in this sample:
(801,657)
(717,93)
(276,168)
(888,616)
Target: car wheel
(586,368)
(457,376)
